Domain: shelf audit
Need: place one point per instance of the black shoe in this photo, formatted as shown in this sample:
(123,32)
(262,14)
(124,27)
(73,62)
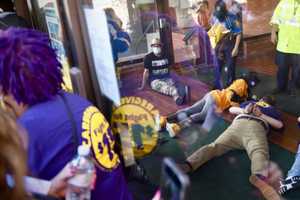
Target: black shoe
(179,101)
(138,173)
(172,118)
(278,91)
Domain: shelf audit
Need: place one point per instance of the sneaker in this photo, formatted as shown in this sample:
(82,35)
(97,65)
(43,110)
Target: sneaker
(187,95)
(173,129)
(288,184)
(267,191)
(179,100)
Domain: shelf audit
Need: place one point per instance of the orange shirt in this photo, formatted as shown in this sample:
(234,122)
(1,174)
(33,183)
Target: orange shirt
(223,97)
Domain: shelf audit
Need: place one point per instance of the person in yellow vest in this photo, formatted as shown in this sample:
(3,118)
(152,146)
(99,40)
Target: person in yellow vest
(286,36)
(214,101)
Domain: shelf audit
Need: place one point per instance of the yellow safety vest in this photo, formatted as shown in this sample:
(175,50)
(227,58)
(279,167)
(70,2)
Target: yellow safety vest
(287,17)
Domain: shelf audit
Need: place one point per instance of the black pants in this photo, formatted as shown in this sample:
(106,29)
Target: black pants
(285,62)
(223,52)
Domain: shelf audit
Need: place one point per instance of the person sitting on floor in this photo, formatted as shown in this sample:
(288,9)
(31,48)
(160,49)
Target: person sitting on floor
(213,101)
(247,131)
(157,69)
(292,179)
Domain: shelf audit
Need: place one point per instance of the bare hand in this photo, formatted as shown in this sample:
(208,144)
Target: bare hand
(274,38)
(60,182)
(256,111)
(248,109)
(234,52)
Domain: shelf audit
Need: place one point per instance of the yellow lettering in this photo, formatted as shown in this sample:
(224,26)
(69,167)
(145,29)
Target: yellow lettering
(137,101)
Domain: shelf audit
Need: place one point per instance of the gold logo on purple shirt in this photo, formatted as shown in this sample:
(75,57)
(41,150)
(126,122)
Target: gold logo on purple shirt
(98,135)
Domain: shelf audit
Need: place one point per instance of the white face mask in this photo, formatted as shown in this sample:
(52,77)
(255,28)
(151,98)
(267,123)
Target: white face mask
(156,50)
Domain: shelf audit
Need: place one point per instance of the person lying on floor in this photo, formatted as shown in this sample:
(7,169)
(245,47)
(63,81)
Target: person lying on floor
(292,179)
(248,131)
(157,70)
(215,101)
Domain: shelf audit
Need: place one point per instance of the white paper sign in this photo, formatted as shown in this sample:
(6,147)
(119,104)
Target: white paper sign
(101,52)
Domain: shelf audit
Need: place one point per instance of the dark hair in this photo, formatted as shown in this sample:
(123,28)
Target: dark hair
(29,68)
(204,2)
(269,100)
(220,4)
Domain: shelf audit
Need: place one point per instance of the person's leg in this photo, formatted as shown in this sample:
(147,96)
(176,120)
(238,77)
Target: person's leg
(231,63)
(218,74)
(200,115)
(166,87)
(256,145)
(295,65)
(210,119)
(283,70)
(183,114)
(224,143)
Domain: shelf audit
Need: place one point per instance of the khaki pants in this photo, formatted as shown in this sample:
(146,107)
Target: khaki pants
(241,134)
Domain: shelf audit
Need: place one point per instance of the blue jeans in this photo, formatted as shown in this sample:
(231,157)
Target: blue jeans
(203,111)
(295,169)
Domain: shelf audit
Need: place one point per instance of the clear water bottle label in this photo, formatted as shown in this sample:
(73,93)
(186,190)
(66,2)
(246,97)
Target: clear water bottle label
(82,180)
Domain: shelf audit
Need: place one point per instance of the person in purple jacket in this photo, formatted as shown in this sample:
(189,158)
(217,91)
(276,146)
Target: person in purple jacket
(56,121)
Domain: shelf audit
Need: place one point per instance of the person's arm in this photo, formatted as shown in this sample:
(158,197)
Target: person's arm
(145,78)
(55,188)
(274,33)
(275,123)
(235,50)
(238,110)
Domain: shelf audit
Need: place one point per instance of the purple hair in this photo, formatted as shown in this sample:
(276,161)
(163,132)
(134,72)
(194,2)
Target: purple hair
(29,68)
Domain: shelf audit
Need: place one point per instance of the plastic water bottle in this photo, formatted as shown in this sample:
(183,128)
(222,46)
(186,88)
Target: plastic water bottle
(79,186)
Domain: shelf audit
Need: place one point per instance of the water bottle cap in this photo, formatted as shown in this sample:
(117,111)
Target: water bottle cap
(83,150)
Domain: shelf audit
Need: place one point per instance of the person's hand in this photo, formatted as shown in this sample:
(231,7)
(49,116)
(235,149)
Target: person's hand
(274,38)
(60,182)
(234,52)
(248,109)
(256,111)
